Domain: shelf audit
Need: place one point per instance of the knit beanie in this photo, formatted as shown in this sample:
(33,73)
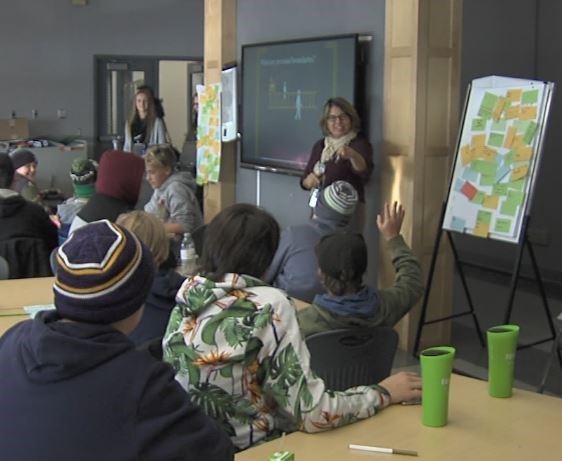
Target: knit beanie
(83,173)
(103,274)
(342,256)
(120,176)
(336,202)
(21,157)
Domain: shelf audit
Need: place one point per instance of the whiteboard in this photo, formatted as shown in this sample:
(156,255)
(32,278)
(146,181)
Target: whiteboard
(497,157)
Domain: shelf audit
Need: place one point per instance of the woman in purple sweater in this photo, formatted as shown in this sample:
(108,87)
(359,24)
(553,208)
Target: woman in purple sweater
(342,154)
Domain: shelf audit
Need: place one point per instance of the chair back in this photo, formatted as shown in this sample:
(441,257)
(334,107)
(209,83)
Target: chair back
(4,269)
(26,256)
(348,358)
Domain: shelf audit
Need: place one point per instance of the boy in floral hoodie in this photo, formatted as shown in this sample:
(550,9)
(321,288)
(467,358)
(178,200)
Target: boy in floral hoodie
(235,343)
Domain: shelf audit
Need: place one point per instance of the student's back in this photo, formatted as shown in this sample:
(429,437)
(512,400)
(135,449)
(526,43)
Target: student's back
(74,388)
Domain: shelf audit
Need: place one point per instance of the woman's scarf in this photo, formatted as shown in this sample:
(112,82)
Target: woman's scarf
(332,145)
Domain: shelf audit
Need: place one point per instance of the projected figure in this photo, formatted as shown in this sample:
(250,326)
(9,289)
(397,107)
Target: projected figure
(284,90)
(298,105)
(343,154)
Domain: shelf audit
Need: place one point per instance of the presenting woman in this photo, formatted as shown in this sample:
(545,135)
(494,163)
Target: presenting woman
(342,155)
(144,128)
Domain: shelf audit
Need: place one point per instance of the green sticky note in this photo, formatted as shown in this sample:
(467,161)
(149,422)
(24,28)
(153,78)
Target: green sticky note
(487,106)
(478,198)
(517,185)
(483,217)
(530,97)
(530,131)
(521,125)
(478,124)
(495,139)
(503,225)
(509,157)
(487,180)
(488,167)
(508,208)
(516,196)
(500,189)
(499,125)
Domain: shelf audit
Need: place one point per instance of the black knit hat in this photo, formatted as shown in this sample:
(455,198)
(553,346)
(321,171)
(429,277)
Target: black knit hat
(21,157)
(103,274)
(342,256)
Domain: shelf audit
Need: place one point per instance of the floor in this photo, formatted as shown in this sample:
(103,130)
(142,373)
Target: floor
(489,292)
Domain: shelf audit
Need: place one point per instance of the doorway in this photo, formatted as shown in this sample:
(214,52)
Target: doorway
(117,78)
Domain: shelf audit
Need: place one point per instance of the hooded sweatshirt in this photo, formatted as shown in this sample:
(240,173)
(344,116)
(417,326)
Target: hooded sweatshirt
(236,346)
(175,202)
(369,307)
(81,391)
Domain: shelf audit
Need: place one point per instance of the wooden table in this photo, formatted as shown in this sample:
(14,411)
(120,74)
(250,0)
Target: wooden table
(524,427)
(16,293)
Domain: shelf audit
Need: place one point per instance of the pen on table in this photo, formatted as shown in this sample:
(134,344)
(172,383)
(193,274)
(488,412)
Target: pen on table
(395,451)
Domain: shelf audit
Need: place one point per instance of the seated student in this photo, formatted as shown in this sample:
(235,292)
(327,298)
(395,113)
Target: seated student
(294,267)
(25,164)
(83,173)
(117,188)
(236,345)
(74,387)
(173,199)
(342,260)
(162,296)
(27,235)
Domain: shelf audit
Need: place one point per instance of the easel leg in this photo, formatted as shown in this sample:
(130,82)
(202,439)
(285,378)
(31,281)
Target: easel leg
(466,291)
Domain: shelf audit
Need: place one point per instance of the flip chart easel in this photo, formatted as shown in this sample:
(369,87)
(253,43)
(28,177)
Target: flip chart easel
(493,178)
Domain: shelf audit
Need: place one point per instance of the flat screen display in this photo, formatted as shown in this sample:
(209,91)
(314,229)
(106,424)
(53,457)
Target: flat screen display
(284,87)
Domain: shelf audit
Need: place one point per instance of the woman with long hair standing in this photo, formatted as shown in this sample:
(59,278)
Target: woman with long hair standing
(145,126)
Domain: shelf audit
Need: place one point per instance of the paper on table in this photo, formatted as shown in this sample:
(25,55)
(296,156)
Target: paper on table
(34,309)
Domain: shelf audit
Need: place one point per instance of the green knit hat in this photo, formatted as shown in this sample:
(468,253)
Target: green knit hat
(83,173)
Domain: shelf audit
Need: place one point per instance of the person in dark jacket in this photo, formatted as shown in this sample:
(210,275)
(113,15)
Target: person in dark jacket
(162,296)
(294,267)
(73,385)
(23,225)
(118,186)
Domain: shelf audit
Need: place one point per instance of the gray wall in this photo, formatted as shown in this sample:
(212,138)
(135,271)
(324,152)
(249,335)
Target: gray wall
(270,20)
(515,39)
(48,47)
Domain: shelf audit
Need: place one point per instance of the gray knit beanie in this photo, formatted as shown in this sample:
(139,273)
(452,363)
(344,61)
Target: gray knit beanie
(337,202)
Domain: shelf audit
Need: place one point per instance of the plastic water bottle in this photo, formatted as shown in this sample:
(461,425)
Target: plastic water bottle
(188,255)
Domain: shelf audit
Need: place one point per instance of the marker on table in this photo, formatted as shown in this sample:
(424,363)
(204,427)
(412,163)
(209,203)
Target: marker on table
(392,451)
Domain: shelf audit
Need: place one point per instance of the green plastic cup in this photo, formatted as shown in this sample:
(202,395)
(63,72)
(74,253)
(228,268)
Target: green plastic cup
(502,345)
(436,366)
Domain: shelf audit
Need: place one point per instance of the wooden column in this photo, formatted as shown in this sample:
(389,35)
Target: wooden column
(220,49)
(421,112)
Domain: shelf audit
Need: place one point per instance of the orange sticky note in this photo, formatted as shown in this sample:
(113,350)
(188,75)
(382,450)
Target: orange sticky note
(513,112)
(514,95)
(491,201)
(528,113)
(500,104)
(478,140)
(488,153)
(510,136)
(466,155)
(523,153)
(481,230)
(519,172)
(517,141)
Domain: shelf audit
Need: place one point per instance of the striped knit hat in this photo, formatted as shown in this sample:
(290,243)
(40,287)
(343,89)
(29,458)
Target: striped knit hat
(103,274)
(337,202)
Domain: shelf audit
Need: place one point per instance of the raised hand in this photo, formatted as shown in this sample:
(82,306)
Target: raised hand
(390,220)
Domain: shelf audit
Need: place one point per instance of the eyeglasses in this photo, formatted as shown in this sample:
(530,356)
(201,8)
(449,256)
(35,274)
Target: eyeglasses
(334,118)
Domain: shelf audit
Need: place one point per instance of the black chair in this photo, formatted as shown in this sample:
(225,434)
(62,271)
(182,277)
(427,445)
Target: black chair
(555,352)
(198,236)
(27,257)
(348,358)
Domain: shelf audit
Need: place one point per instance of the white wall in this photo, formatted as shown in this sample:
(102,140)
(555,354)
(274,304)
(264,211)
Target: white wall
(48,49)
(172,89)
